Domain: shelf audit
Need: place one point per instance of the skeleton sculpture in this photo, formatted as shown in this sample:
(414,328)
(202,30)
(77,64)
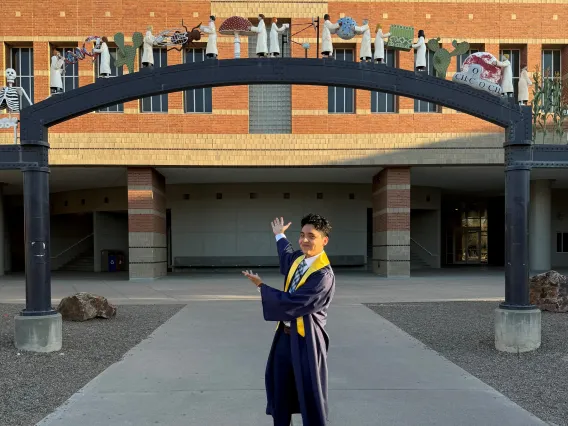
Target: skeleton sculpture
(10,95)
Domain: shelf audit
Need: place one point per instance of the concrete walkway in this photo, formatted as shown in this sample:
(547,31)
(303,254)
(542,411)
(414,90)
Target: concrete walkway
(205,366)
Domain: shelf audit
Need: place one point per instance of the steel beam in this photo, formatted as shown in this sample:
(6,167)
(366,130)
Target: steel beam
(14,157)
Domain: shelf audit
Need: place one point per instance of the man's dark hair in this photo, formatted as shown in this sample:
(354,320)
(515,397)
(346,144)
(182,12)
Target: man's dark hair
(319,222)
(326,17)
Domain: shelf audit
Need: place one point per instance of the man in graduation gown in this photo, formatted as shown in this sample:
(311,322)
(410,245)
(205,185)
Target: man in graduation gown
(296,371)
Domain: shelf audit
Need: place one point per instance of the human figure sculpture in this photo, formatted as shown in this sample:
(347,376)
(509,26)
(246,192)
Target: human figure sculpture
(57,68)
(380,44)
(506,76)
(211,32)
(366,53)
(261,38)
(420,47)
(274,50)
(101,47)
(328,30)
(148,49)
(524,83)
(10,95)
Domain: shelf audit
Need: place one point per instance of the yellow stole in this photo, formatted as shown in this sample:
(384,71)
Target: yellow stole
(321,262)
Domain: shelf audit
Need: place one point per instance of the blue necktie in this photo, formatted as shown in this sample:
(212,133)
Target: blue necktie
(297,276)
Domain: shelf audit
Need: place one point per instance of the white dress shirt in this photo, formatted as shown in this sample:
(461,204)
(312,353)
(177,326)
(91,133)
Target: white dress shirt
(309,261)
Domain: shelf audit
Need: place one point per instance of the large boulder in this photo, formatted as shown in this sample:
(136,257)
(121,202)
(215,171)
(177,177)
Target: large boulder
(85,306)
(549,291)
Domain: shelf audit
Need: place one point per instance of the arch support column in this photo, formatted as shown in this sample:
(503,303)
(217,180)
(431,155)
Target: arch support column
(539,226)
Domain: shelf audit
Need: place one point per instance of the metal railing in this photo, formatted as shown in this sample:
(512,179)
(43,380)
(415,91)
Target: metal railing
(68,254)
(422,247)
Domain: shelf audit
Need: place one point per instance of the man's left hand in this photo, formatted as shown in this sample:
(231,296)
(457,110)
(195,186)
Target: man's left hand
(253,277)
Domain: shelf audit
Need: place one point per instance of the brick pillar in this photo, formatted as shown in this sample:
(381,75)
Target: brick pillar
(391,222)
(147,223)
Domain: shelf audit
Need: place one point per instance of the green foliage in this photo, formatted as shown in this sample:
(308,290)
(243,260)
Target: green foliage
(549,105)
(442,57)
(126,54)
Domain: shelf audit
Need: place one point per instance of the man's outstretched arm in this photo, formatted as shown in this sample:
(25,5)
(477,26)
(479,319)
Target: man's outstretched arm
(278,305)
(286,253)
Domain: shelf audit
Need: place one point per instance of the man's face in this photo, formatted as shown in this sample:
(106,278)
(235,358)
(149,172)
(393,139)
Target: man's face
(312,241)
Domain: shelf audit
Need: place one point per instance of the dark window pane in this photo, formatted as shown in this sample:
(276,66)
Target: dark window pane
(189,101)
(164,103)
(25,62)
(146,104)
(546,62)
(208,99)
(556,61)
(199,100)
(559,242)
(349,100)
(331,99)
(565,242)
(340,99)
(374,102)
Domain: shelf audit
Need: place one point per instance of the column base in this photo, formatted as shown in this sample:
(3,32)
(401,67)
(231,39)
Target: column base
(517,330)
(38,334)
(392,269)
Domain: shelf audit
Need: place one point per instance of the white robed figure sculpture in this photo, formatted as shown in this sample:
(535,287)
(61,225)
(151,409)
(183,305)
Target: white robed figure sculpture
(274,39)
(57,68)
(380,44)
(148,48)
(211,31)
(366,54)
(524,83)
(101,47)
(261,38)
(420,47)
(328,30)
(506,76)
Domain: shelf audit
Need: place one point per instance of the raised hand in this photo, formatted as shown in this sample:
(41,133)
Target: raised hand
(253,277)
(278,226)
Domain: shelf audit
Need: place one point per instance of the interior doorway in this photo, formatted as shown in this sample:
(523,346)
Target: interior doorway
(467,236)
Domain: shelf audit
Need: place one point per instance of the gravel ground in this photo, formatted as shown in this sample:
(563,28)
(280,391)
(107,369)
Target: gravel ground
(33,385)
(463,333)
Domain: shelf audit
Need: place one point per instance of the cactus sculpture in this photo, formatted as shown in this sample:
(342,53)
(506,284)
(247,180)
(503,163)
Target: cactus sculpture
(442,56)
(126,54)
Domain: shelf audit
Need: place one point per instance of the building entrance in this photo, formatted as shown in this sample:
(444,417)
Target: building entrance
(466,235)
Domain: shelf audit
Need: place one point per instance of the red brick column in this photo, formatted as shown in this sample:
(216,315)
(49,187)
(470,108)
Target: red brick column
(147,223)
(391,222)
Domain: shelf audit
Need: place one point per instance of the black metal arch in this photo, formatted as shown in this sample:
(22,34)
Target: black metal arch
(520,156)
(232,72)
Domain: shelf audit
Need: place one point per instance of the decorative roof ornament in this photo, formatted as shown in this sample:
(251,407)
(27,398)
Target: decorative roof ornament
(442,57)
(126,54)
(401,37)
(237,26)
(478,71)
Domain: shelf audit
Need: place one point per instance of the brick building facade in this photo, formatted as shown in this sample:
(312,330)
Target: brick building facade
(409,164)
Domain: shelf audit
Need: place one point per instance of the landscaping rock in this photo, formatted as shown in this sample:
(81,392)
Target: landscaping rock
(85,306)
(549,291)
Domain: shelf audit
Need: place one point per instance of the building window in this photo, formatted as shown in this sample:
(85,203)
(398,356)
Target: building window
(461,58)
(515,59)
(423,106)
(22,61)
(562,242)
(71,77)
(197,100)
(551,64)
(157,103)
(341,99)
(114,72)
(384,102)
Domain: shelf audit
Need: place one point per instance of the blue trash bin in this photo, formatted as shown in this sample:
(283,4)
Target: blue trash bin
(112,262)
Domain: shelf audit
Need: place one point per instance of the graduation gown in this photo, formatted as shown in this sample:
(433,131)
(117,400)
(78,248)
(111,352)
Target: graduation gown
(306,309)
